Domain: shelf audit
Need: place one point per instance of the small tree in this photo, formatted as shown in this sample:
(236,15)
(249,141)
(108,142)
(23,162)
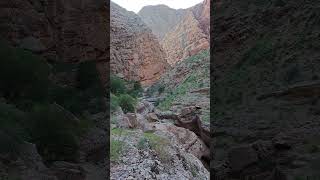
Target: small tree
(127,103)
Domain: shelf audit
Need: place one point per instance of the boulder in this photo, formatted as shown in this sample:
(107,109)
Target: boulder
(144,107)
(128,120)
(144,124)
(152,117)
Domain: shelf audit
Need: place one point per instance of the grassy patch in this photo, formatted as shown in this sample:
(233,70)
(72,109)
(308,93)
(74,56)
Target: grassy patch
(120,131)
(116,149)
(194,171)
(143,143)
(159,145)
(190,82)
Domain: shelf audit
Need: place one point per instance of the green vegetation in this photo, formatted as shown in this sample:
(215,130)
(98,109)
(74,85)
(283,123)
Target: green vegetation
(143,143)
(86,95)
(190,82)
(158,144)
(116,148)
(194,171)
(23,76)
(156,88)
(127,103)
(35,109)
(120,131)
(124,94)
(55,133)
(117,85)
(114,102)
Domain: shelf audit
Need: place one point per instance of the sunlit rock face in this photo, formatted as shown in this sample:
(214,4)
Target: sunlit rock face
(190,36)
(135,52)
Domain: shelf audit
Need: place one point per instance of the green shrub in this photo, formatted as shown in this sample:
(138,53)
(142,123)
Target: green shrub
(54,132)
(136,89)
(156,88)
(77,101)
(127,103)
(117,85)
(22,75)
(143,143)
(114,102)
(161,89)
(87,75)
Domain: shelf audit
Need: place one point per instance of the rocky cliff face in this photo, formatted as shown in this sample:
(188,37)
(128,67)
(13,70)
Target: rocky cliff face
(161,18)
(190,36)
(135,52)
(266,103)
(67,31)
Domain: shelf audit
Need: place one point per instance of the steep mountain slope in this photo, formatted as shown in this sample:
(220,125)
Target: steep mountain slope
(266,92)
(179,86)
(161,18)
(135,52)
(185,89)
(190,36)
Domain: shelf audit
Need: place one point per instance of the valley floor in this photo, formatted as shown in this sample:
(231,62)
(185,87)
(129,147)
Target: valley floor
(149,144)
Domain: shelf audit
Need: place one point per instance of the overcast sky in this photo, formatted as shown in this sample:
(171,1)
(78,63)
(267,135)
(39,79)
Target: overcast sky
(136,5)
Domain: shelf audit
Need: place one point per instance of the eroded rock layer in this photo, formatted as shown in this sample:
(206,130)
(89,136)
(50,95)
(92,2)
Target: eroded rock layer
(135,52)
(161,18)
(190,36)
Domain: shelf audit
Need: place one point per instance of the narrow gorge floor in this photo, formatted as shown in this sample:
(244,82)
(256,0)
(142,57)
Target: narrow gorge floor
(149,144)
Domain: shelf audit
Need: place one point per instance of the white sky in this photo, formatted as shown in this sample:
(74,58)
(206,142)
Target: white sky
(136,5)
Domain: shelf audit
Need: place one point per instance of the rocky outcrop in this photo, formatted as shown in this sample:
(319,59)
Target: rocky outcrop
(157,148)
(147,163)
(190,36)
(67,31)
(135,52)
(161,18)
(202,14)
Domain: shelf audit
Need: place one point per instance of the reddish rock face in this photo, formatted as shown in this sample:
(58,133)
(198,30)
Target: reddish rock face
(190,36)
(135,52)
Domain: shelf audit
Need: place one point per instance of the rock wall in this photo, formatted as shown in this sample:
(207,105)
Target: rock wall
(60,30)
(161,18)
(190,36)
(135,52)
(266,92)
